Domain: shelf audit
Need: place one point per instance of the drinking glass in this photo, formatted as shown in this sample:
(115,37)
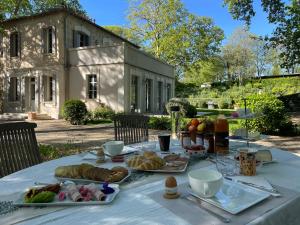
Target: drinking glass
(226,164)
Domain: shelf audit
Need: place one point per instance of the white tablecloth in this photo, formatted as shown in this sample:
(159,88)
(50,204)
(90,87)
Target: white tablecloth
(133,205)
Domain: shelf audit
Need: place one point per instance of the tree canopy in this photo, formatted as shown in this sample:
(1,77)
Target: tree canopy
(171,33)
(286,16)
(124,32)
(15,8)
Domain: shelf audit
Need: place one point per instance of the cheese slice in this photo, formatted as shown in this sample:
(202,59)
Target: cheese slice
(263,156)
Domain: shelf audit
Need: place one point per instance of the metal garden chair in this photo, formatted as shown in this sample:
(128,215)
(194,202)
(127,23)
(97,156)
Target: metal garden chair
(131,128)
(18,147)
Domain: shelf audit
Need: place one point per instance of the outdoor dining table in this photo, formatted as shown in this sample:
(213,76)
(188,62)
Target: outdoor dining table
(141,201)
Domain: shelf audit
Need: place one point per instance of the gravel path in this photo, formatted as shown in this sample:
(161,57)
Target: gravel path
(60,132)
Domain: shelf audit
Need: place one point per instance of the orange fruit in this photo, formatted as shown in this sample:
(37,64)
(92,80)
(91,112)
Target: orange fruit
(195,122)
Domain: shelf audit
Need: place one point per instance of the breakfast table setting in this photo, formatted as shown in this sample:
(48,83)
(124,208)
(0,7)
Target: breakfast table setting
(156,183)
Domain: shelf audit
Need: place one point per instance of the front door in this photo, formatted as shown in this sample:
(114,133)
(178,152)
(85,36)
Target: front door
(32,94)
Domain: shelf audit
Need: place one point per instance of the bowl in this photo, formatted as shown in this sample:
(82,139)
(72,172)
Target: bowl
(205,182)
(113,148)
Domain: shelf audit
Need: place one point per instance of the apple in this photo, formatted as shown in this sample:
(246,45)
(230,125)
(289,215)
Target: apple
(201,127)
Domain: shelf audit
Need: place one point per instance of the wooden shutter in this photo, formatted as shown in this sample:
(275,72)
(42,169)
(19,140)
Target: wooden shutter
(44,40)
(53,40)
(19,45)
(18,87)
(11,45)
(87,41)
(1,45)
(74,39)
(42,91)
(54,97)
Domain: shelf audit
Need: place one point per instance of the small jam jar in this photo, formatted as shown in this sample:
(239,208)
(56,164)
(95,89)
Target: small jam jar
(185,139)
(199,139)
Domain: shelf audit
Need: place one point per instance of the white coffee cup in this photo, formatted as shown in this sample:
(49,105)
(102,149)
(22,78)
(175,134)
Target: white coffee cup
(205,182)
(113,147)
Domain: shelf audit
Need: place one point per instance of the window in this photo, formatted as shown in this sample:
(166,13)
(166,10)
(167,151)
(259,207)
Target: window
(14,45)
(49,40)
(80,39)
(168,92)
(134,94)
(14,86)
(148,84)
(159,95)
(92,86)
(49,86)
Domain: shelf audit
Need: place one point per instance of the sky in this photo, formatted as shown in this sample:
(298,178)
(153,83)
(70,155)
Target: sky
(113,12)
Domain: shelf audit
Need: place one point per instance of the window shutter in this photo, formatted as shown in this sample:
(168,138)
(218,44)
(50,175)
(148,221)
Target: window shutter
(74,39)
(54,89)
(53,39)
(87,41)
(11,45)
(1,45)
(43,88)
(19,45)
(44,40)
(18,91)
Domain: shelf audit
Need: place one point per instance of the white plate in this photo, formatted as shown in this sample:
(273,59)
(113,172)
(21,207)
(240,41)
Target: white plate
(68,202)
(234,197)
(86,181)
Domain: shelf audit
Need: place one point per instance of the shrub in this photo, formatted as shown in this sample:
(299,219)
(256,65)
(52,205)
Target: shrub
(191,111)
(272,118)
(202,103)
(75,112)
(186,109)
(160,123)
(224,103)
(103,112)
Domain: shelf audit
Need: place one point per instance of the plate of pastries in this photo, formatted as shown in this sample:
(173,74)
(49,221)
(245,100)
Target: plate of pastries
(87,173)
(156,162)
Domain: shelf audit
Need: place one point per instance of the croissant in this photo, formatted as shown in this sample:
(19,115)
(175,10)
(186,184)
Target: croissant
(149,154)
(135,161)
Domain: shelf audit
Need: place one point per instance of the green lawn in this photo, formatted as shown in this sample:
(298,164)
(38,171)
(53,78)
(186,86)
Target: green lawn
(226,112)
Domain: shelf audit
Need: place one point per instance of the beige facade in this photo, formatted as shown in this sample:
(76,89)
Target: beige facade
(49,58)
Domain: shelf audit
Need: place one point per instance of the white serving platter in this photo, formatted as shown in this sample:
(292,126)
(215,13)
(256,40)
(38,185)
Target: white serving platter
(234,197)
(68,202)
(86,181)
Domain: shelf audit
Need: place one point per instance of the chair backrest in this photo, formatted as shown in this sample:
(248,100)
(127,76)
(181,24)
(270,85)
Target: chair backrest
(18,147)
(132,128)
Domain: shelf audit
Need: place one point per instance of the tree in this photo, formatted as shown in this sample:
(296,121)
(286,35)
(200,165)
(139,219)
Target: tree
(238,56)
(286,15)
(14,8)
(260,52)
(124,32)
(172,34)
(206,71)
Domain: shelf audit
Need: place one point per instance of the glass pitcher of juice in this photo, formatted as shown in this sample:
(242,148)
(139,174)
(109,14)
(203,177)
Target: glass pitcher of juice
(221,135)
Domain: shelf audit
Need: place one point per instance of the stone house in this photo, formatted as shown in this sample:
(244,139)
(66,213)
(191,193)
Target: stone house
(57,55)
